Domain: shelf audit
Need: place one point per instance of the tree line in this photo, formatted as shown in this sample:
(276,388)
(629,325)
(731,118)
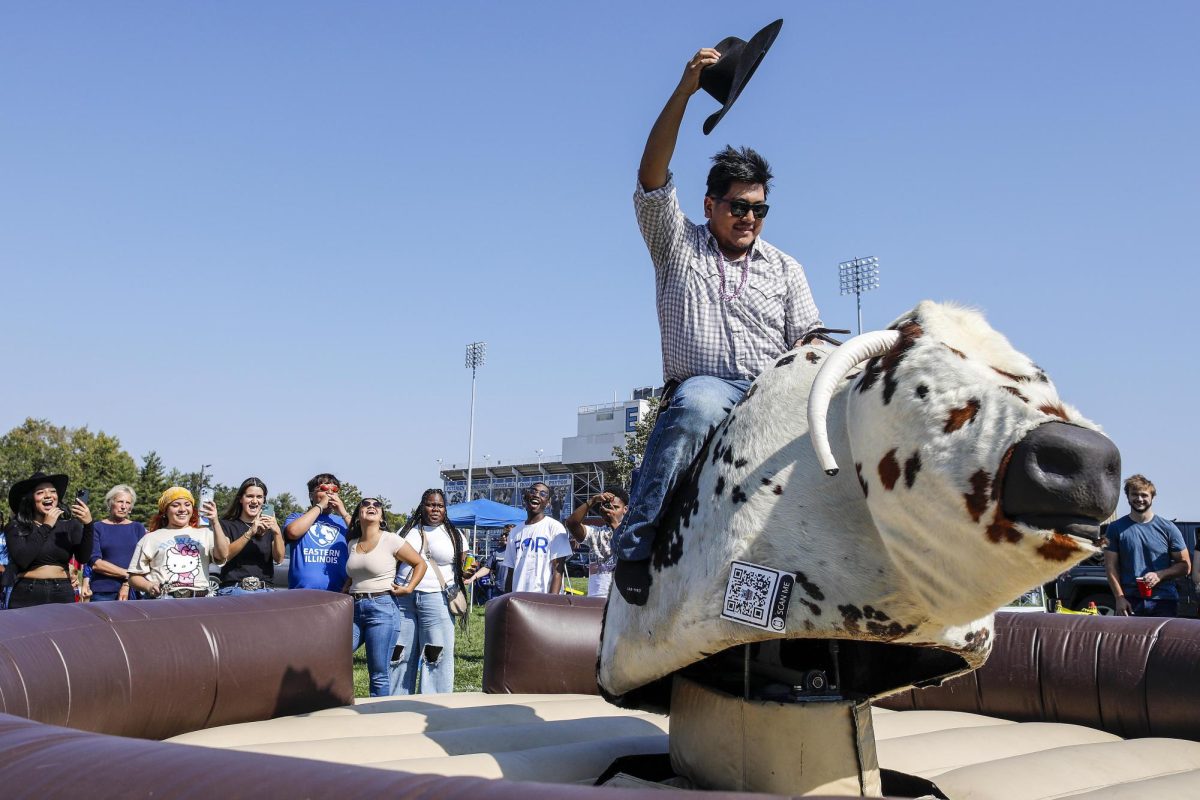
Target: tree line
(97,462)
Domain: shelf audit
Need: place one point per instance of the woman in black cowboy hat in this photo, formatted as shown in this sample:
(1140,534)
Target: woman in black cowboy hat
(42,541)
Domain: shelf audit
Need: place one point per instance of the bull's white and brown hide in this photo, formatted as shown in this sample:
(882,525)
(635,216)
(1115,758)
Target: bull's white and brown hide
(907,545)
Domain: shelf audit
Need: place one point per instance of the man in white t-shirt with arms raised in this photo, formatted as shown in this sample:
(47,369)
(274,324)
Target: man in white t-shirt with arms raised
(537,550)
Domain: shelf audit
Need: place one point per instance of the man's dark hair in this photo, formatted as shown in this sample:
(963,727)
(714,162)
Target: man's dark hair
(621,493)
(323,477)
(731,165)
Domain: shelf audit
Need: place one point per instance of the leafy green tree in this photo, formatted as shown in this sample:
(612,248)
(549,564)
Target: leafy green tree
(223,495)
(629,456)
(151,482)
(192,481)
(394,521)
(351,496)
(102,465)
(97,462)
(94,461)
(285,503)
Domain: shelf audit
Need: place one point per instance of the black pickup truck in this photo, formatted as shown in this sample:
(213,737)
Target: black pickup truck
(1086,583)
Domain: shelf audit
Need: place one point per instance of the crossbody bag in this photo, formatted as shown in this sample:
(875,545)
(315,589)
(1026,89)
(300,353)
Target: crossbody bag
(455,599)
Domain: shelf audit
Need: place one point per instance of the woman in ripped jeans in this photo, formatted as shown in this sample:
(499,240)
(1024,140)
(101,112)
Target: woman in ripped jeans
(425,633)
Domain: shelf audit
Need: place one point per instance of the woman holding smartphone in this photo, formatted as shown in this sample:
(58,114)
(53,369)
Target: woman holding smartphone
(42,540)
(255,541)
(425,640)
(375,553)
(115,540)
(172,559)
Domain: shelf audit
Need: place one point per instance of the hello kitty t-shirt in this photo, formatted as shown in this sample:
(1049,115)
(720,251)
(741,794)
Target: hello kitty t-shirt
(176,558)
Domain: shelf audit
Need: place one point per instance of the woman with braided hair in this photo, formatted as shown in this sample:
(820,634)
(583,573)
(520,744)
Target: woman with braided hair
(425,636)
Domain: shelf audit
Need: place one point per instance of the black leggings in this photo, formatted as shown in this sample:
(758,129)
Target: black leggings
(39,591)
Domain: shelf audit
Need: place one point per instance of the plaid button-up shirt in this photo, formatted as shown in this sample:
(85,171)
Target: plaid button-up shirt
(703,334)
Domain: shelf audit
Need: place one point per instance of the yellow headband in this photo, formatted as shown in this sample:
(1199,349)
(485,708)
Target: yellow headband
(173,494)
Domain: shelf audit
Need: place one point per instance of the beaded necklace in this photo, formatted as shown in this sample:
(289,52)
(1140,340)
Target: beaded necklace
(726,296)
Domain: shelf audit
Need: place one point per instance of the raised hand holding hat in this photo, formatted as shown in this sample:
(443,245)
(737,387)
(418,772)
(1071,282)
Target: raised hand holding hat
(725,79)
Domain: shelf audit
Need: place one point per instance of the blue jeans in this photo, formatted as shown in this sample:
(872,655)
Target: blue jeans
(697,407)
(1153,606)
(225,591)
(424,644)
(375,626)
(100,597)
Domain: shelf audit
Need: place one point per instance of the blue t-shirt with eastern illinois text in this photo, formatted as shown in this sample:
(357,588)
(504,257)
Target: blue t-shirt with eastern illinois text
(319,556)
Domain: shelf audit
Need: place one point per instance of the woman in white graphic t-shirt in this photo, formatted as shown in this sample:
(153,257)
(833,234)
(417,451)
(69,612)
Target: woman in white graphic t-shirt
(425,633)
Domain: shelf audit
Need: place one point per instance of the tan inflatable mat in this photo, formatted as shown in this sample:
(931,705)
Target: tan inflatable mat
(573,738)
(538,737)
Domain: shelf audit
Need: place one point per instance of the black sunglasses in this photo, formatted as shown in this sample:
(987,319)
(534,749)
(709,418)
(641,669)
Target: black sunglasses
(739,208)
(371,504)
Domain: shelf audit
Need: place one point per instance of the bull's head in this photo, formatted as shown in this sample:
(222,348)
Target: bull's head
(947,415)
(971,483)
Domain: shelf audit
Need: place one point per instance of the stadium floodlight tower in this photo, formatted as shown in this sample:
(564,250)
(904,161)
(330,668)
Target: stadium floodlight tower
(857,276)
(476,353)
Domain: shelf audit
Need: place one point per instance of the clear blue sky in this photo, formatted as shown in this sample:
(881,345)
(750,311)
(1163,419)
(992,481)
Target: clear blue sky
(258,235)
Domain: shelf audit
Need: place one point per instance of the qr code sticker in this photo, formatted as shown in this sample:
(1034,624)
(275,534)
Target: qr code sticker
(757,596)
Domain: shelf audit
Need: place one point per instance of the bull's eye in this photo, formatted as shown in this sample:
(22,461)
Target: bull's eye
(922,391)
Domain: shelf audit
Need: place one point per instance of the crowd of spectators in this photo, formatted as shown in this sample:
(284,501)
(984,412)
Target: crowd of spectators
(403,582)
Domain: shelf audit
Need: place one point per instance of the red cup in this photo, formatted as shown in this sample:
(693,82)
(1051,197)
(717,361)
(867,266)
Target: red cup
(1143,588)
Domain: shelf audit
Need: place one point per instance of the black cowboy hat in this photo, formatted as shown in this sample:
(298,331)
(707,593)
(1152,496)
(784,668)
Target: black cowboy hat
(725,79)
(22,488)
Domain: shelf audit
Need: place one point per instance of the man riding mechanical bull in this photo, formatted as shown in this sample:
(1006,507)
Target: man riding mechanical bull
(728,303)
(936,476)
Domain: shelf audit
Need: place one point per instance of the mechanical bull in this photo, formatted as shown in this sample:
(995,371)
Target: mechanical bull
(936,476)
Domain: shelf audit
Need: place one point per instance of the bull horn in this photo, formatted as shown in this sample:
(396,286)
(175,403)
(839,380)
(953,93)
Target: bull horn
(836,367)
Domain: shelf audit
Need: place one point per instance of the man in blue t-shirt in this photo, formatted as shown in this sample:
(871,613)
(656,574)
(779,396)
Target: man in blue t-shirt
(1144,556)
(320,550)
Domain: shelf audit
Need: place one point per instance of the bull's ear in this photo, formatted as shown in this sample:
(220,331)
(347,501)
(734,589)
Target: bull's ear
(836,367)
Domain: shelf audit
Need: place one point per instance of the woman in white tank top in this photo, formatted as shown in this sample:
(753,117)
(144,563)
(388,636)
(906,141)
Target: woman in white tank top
(425,640)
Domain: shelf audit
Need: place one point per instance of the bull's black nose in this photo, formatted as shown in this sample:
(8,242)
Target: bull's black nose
(1059,473)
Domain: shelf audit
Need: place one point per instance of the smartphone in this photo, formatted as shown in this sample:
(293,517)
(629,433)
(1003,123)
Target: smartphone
(206,495)
(268,510)
(83,495)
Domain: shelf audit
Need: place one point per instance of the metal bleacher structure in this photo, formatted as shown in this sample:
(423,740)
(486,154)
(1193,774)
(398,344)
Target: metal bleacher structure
(585,467)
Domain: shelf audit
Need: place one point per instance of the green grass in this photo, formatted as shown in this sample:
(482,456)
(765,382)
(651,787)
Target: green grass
(468,659)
